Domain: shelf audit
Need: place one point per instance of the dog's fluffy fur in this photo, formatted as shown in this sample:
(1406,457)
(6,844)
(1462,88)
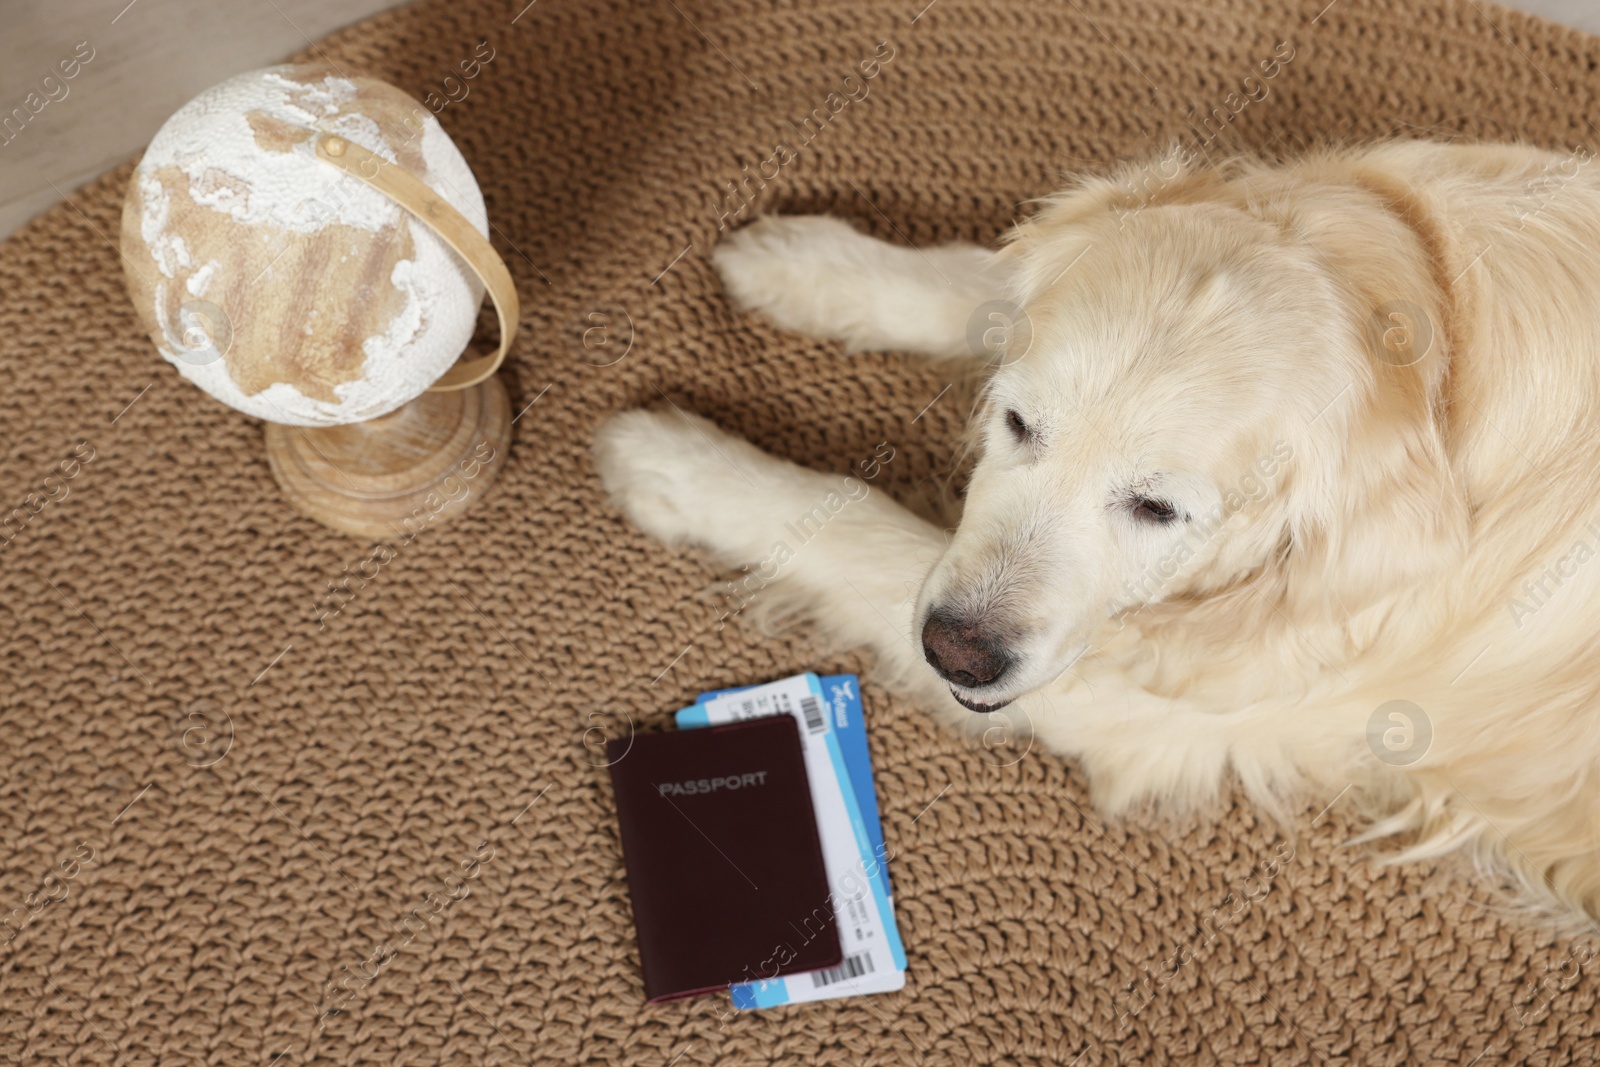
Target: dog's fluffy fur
(1365,386)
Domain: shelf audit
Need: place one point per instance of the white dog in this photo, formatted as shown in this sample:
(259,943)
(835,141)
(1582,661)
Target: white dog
(1291,470)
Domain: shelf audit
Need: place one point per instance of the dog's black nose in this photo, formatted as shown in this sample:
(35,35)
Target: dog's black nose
(962,654)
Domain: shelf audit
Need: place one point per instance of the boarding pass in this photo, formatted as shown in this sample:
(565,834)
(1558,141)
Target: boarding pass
(874,960)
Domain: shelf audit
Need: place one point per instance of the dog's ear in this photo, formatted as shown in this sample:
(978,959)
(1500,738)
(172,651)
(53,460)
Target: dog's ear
(1386,511)
(1377,508)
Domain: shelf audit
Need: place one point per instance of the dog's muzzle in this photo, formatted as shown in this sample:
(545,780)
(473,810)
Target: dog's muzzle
(965,656)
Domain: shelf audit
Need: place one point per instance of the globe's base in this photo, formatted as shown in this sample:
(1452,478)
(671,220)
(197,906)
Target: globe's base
(397,475)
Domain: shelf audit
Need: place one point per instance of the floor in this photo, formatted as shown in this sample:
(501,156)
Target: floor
(1584,14)
(134,64)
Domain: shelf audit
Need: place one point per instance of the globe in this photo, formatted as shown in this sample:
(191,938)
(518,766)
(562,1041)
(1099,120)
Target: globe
(276,282)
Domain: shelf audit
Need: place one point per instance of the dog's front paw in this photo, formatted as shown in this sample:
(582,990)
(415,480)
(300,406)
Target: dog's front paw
(786,267)
(658,467)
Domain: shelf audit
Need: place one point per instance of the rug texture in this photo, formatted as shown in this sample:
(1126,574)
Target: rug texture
(220,799)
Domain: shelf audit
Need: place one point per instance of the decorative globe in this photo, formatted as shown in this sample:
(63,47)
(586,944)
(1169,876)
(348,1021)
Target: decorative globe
(275,281)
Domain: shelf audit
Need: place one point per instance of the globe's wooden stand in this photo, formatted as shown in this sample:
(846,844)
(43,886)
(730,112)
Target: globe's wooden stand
(394,476)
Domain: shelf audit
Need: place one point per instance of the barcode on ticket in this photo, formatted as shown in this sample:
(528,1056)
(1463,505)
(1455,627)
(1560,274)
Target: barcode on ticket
(852,967)
(811,708)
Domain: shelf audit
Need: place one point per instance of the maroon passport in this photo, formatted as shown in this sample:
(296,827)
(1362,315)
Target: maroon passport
(724,863)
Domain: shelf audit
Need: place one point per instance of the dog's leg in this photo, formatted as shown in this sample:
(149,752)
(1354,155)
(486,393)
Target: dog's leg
(827,547)
(818,276)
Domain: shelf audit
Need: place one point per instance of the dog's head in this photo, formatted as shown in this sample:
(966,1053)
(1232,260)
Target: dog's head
(1198,402)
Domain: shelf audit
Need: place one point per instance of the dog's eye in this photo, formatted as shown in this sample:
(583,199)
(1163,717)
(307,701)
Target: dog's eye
(1149,509)
(1018,428)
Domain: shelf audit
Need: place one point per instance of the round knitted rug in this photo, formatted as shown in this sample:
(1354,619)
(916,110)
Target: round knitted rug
(225,792)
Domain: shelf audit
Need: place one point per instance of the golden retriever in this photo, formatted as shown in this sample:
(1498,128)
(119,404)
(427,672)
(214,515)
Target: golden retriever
(1288,469)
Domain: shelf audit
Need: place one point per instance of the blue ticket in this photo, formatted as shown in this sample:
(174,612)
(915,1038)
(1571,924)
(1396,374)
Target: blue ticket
(874,959)
(842,695)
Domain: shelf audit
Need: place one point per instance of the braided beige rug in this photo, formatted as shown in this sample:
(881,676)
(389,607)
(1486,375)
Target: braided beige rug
(221,898)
